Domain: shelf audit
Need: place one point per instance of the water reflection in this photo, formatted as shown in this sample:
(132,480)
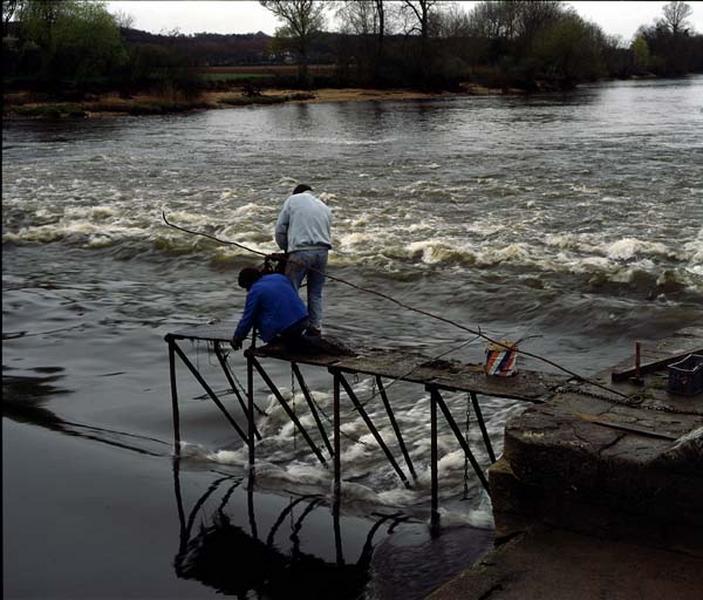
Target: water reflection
(24,396)
(237,554)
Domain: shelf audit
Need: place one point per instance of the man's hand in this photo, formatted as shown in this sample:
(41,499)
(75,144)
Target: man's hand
(237,343)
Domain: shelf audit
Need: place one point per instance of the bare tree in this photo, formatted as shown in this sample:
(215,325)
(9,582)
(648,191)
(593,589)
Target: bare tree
(358,17)
(422,9)
(301,20)
(453,22)
(9,9)
(366,19)
(123,19)
(675,15)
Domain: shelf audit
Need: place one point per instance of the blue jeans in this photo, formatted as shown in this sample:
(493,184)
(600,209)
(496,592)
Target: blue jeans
(311,264)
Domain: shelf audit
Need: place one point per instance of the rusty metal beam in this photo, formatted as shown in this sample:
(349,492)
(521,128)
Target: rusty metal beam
(209,391)
(174,397)
(311,406)
(230,380)
(394,424)
(457,433)
(377,436)
(291,415)
(482,426)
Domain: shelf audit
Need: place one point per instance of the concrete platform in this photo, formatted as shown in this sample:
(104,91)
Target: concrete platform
(553,564)
(599,495)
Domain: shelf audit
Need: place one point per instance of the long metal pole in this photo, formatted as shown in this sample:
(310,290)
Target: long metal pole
(250,399)
(372,428)
(482,426)
(394,424)
(337,458)
(174,397)
(434,483)
(209,392)
(291,415)
(462,441)
(311,405)
(336,437)
(225,368)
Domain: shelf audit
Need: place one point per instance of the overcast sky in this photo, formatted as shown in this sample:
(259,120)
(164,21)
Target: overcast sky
(238,16)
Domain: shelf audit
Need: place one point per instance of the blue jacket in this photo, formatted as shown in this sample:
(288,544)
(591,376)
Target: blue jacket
(272,306)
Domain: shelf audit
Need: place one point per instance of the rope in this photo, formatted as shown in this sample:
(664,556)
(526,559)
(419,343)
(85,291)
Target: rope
(397,302)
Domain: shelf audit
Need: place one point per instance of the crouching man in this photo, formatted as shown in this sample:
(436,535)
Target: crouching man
(273,307)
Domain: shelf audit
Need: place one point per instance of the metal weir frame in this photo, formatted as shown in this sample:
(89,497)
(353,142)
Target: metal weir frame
(330,449)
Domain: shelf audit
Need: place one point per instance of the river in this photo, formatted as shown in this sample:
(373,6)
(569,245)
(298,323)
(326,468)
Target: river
(575,221)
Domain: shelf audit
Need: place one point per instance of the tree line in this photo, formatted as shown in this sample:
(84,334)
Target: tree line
(542,44)
(74,46)
(435,44)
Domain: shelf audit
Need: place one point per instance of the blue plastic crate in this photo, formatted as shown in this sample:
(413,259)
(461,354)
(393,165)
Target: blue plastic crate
(686,376)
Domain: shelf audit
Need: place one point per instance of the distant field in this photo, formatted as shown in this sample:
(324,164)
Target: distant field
(260,71)
(210,76)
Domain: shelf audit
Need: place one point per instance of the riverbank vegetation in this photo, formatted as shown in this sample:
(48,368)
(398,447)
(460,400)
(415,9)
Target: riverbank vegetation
(73,57)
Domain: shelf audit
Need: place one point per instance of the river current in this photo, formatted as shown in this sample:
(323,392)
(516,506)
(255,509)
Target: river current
(575,221)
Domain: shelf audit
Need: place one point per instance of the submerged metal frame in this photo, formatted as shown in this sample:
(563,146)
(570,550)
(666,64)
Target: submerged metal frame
(333,448)
(173,350)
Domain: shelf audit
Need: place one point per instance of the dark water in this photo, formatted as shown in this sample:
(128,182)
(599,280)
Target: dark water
(578,219)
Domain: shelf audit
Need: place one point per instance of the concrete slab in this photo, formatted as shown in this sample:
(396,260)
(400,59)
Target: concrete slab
(552,564)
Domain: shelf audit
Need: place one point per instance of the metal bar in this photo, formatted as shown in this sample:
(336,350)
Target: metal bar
(434,507)
(289,412)
(337,530)
(457,433)
(174,397)
(394,424)
(311,405)
(482,426)
(250,509)
(225,368)
(179,502)
(182,537)
(337,438)
(209,391)
(250,399)
(350,392)
(625,374)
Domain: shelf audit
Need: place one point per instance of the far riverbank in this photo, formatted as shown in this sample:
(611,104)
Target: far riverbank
(26,104)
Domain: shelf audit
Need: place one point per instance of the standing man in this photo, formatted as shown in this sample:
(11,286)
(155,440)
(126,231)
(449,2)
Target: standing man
(303,231)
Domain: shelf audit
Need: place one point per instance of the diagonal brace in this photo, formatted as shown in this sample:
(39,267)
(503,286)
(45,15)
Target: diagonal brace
(230,380)
(455,428)
(272,386)
(311,405)
(209,391)
(372,429)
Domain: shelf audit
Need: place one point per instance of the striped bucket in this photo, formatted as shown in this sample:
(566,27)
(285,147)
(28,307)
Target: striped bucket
(501,361)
